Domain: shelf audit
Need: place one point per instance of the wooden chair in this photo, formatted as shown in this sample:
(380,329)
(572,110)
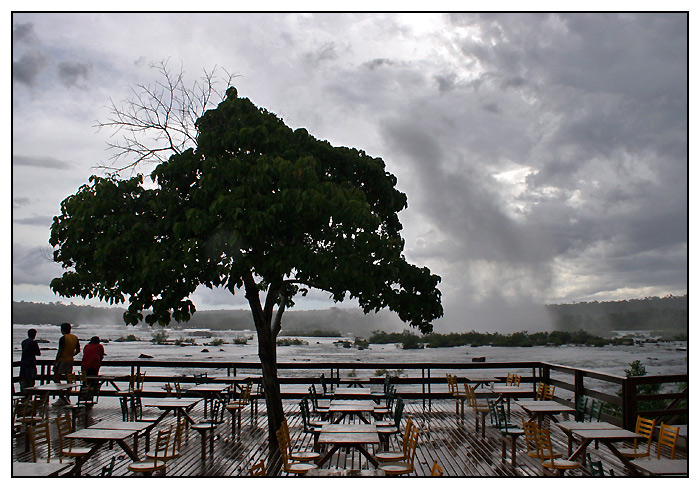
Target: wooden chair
(596,467)
(386,409)
(25,415)
(404,466)
(386,428)
(460,397)
(327,386)
(316,406)
(137,408)
(236,406)
(545,392)
(288,464)
(299,455)
(546,454)
(65,427)
(85,402)
(309,426)
(668,437)
(157,463)
(108,469)
(480,409)
(258,470)
(644,427)
(436,470)
(397,455)
(596,410)
(532,442)
(207,427)
(39,435)
(513,379)
(174,450)
(508,432)
(581,405)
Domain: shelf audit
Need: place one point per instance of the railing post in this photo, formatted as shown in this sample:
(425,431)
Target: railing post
(578,386)
(629,404)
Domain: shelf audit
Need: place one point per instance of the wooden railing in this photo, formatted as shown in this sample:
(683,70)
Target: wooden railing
(426,381)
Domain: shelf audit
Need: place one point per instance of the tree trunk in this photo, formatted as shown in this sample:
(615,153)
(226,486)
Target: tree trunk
(267,351)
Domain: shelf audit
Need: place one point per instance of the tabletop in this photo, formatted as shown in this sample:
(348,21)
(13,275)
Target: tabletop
(172,403)
(617,434)
(662,466)
(30,469)
(546,407)
(586,425)
(482,378)
(353,391)
(349,438)
(98,434)
(207,388)
(122,425)
(350,405)
(52,387)
(511,389)
(348,428)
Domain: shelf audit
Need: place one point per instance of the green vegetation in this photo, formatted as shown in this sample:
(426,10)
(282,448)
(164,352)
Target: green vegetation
(216,342)
(381,372)
(361,343)
(159,338)
(291,342)
(323,333)
(130,337)
(241,340)
(185,341)
(409,340)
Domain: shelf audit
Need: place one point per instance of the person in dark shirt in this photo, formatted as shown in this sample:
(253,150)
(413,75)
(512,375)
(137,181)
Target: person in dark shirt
(27,366)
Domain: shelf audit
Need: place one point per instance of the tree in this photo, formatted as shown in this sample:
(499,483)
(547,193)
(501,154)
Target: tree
(256,207)
(160,120)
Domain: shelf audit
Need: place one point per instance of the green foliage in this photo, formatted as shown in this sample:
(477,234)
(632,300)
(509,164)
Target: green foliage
(185,341)
(240,340)
(361,343)
(254,200)
(291,342)
(129,337)
(217,342)
(159,337)
(381,372)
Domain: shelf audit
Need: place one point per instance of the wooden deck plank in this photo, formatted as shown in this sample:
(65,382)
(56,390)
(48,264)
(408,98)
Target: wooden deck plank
(445,437)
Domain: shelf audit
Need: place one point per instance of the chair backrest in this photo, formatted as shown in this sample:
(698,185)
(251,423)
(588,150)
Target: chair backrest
(398,412)
(283,441)
(513,379)
(548,392)
(668,437)
(258,470)
(436,470)
(509,378)
(168,390)
(544,445)
(124,403)
(502,418)
(161,448)
(387,383)
(85,395)
(326,387)
(470,392)
(41,404)
(530,429)
(216,413)
(451,383)
(581,405)
(410,451)
(305,416)
(109,468)
(178,389)
(177,437)
(540,389)
(596,466)
(245,392)
(645,426)
(492,412)
(596,410)
(64,427)
(40,434)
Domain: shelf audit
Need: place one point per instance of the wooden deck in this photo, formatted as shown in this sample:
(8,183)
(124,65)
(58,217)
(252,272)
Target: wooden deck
(445,437)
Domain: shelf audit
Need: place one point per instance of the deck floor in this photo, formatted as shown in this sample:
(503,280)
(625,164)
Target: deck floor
(445,437)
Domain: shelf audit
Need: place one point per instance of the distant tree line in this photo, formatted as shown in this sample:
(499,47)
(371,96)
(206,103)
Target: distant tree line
(666,314)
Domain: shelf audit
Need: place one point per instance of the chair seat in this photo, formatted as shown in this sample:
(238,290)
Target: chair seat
(396,468)
(534,454)
(204,426)
(391,456)
(299,468)
(76,452)
(632,453)
(513,432)
(146,466)
(169,454)
(234,407)
(561,464)
(386,423)
(305,456)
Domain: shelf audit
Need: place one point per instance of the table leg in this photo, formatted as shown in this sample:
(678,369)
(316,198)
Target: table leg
(581,451)
(625,461)
(327,455)
(368,455)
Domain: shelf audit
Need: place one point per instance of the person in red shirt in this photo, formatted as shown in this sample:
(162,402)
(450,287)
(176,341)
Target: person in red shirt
(93,353)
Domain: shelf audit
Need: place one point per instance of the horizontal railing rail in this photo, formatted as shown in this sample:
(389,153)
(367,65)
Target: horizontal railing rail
(420,380)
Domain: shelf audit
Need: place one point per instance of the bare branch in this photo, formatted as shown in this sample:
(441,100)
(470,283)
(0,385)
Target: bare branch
(159,120)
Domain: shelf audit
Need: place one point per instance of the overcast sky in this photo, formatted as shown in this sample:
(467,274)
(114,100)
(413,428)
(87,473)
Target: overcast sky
(544,156)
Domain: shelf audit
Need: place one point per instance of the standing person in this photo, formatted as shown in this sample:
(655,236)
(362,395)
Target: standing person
(68,347)
(27,365)
(93,353)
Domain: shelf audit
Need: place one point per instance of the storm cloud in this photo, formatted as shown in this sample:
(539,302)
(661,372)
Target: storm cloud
(544,156)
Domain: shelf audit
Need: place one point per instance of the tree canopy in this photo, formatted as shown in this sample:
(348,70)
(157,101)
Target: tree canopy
(255,205)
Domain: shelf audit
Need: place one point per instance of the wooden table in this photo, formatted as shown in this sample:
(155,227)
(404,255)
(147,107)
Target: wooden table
(352,393)
(510,391)
(344,408)
(144,427)
(107,379)
(209,392)
(481,379)
(568,426)
(181,407)
(38,469)
(348,436)
(354,381)
(345,473)
(541,409)
(662,466)
(51,388)
(98,438)
(607,438)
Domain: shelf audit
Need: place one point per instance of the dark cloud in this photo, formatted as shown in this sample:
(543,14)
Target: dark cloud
(40,162)
(32,265)
(29,61)
(73,74)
